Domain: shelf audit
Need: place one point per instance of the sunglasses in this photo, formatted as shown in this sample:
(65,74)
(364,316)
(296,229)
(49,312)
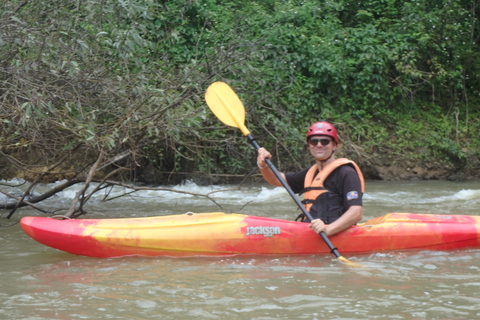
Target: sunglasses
(314,142)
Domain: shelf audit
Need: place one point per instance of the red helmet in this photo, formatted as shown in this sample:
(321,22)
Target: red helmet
(322,128)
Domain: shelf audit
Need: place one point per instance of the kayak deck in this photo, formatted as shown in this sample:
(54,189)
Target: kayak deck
(220,234)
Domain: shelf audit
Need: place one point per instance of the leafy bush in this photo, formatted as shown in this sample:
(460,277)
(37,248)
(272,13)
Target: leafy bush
(126,79)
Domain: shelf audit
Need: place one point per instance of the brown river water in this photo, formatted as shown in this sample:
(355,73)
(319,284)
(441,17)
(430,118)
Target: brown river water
(37,282)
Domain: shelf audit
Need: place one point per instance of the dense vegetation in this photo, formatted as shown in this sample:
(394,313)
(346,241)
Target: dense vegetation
(119,85)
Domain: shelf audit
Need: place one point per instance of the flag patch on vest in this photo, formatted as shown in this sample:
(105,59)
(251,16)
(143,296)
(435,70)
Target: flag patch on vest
(352,195)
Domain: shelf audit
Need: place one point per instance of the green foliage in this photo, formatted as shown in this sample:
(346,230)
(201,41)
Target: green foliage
(116,76)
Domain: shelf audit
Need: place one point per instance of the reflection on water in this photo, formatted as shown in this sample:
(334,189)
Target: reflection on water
(37,282)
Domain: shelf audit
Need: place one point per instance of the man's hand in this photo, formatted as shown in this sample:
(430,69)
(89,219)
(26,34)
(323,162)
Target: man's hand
(318,226)
(262,155)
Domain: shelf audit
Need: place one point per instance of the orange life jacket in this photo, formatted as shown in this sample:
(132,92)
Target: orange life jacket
(313,185)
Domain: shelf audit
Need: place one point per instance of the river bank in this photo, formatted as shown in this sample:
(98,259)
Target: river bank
(415,172)
(378,166)
(393,172)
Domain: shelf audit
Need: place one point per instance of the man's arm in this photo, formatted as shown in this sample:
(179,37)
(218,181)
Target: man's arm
(267,173)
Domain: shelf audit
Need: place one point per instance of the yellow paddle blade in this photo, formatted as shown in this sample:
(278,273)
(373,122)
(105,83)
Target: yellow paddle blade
(226,105)
(350,263)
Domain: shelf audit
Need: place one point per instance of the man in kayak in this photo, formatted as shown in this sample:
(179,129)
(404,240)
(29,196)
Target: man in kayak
(332,188)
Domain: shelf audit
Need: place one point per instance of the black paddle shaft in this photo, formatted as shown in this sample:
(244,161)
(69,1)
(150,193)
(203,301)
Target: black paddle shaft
(297,201)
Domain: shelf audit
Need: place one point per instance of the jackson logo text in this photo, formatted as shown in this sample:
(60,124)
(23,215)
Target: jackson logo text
(266,231)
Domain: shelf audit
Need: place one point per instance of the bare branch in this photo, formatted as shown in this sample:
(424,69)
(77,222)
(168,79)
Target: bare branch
(73,208)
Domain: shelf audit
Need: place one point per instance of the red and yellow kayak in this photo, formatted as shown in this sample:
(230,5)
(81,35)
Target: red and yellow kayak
(220,234)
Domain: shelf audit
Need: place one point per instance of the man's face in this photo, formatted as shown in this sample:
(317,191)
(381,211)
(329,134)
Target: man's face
(321,147)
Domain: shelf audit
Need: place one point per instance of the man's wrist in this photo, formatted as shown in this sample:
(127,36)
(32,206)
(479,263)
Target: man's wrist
(261,167)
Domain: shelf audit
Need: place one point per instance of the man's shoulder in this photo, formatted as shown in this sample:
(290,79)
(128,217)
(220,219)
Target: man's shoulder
(346,168)
(346,171)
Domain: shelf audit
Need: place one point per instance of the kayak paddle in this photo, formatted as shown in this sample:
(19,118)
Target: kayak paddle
(228,108)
